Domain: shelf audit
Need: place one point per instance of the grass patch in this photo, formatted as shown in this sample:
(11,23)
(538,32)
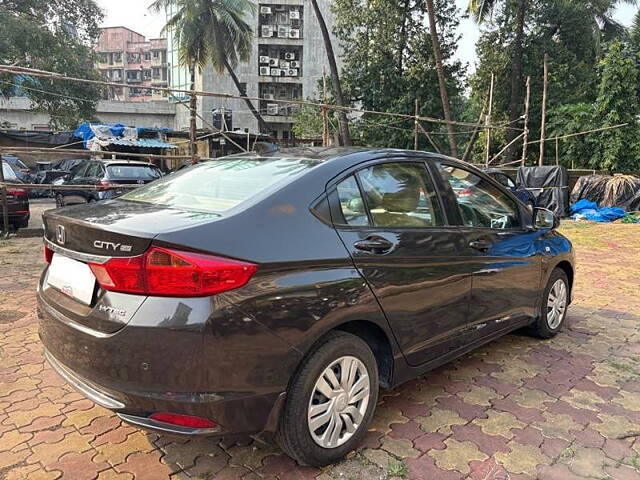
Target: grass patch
(397,469)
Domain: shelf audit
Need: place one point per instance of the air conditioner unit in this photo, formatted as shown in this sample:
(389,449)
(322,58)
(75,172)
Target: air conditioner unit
(276,72)
(293,72)
(272,109)
(264,59)
(293,33)
(283,32)
(295,64)
(265,10)
(265,71)
(290,56)
(267,31)
(269,96)
(294,14)
(273,62)
(284,110)
(284,64)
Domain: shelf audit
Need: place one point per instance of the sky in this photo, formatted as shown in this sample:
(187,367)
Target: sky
(135,15)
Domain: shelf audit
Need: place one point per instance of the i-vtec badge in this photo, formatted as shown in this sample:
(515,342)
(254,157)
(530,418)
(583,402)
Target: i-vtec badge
(112,311)
(111,246)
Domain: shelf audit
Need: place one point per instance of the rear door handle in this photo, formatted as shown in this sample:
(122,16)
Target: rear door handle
(480,245)
(374,244)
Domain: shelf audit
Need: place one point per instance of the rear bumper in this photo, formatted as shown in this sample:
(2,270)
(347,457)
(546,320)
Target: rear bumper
(104,368)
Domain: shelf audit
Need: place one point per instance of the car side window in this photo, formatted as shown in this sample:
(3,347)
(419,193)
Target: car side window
(481,203)
(351,203)
(400,195)
(94,170)
(78,171)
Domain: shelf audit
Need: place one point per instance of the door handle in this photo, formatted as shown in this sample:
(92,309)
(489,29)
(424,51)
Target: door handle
(374,244)
(480,245)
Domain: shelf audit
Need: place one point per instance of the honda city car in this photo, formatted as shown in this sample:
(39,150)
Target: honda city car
(18,211)
(277,293)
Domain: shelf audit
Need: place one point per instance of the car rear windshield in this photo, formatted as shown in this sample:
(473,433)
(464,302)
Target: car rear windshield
(219,185)
(133,172)
(8,172)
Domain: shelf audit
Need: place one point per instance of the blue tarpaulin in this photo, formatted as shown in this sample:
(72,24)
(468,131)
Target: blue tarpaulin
(586,210)
(85,132)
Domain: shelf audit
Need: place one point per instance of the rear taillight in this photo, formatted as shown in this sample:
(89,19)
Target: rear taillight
(48,254)
(17,192)
(172,273)
(104,185)
(182,420)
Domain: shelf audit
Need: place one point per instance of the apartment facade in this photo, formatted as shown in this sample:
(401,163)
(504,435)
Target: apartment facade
(125,56)
(287,62)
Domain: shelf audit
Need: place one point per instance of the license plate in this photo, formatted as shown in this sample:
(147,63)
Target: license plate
(72,278)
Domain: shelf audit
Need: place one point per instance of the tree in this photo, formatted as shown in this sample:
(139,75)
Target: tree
(617,103)
(388,63)
(56,35)
(345,136)
(437,54)
(482,11)
(212,31)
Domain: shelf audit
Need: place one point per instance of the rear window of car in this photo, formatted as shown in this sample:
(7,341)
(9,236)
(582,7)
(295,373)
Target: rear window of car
(219,185)
(8,172)
(133,172)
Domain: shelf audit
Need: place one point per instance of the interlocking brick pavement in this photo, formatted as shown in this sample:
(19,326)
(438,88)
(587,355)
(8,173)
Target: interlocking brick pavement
(518,408)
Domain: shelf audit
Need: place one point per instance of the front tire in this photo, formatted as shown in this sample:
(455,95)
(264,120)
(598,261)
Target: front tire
(553,309)
(330,401)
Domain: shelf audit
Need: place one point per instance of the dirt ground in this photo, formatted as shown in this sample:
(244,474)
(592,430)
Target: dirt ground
(568,408)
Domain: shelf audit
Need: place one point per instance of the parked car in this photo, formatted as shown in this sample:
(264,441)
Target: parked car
(103,174)
(17,200)
(278,292)
(519,191)
(18,167)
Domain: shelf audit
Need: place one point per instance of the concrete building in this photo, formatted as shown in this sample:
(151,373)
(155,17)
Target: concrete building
(287,62)
(125,56)
(16,114)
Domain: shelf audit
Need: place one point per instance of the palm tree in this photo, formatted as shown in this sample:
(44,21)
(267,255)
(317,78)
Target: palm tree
(343,124)
(437,54)
(212,31)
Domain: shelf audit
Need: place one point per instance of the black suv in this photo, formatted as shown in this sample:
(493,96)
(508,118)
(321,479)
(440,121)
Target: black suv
(278,292)
(103,174)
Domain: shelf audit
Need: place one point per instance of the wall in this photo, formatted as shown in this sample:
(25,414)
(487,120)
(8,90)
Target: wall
(15,110)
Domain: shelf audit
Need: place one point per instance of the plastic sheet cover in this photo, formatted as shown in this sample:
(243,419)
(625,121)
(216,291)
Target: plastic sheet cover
(549,185)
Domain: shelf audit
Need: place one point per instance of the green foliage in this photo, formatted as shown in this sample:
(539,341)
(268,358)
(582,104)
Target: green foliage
(307,122)
(617,103)
(388,64)
(572,118)
(573,33)
(56,35)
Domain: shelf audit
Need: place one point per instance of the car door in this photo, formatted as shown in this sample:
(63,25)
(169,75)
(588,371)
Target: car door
(506,262)
(76,177)
(392,222)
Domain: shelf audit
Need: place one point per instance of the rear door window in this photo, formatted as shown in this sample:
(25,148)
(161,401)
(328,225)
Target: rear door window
(400,195)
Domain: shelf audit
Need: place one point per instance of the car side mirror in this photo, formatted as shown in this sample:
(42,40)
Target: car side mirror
(544,219)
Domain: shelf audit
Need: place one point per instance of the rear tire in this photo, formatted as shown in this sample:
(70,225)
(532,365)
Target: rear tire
(317,429)
(553,309)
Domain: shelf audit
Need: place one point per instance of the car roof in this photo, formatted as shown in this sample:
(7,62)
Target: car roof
(134,163)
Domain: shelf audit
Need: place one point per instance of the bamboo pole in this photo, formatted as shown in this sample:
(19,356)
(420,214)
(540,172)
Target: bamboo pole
(525,138)
(415,127)
(474,135)
(543,125)
(488,121)
(426,134)
(557,151)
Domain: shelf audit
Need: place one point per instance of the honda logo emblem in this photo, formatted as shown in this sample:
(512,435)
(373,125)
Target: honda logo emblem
(61,235)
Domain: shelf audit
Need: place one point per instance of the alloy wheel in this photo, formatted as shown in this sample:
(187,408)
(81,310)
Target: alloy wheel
(338,402)
(556,304)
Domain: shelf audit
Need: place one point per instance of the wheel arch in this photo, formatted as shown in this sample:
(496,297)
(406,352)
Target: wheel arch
(567,268)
